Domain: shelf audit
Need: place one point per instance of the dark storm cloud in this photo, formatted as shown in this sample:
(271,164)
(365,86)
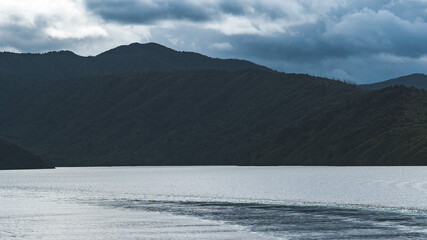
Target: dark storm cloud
(231,7)
(150,11)
(362,33)
(356,28)
(405,9)
(371,32)
(143,12)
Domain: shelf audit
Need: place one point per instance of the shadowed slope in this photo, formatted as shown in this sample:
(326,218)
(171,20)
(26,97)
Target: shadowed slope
(145,104)
(14,157)
(219,117)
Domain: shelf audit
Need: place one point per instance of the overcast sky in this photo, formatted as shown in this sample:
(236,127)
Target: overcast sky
(358,40)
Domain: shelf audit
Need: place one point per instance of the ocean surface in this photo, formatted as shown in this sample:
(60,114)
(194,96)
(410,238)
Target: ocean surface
(214,202)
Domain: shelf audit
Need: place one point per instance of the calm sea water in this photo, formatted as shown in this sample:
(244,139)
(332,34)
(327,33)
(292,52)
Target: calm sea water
(214,202)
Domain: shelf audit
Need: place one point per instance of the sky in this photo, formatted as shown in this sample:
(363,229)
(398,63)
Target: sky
(353,40)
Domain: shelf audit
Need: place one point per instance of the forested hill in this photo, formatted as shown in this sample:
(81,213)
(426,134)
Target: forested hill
(248,117)
(416,80)
(14,157)
(197,110)
(131,59)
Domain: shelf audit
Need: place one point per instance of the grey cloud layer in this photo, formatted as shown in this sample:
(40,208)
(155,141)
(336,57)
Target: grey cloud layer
(144,12)
(354,27)
(149,11)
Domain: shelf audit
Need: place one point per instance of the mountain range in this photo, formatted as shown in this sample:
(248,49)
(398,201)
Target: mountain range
(145,104)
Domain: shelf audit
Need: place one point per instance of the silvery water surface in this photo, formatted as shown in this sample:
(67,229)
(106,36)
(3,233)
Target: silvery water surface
(214,202)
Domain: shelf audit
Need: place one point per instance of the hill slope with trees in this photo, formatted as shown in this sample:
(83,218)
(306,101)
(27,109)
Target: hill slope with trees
(193,115)
(14,157)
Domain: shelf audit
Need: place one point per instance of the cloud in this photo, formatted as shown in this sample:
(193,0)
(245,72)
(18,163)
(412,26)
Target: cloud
(58,19)
(229,17)
(371,32)
(29,25)
(222,46)
(148,11)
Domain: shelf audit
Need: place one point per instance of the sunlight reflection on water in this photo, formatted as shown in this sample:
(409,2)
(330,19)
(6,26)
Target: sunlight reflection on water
(214,202)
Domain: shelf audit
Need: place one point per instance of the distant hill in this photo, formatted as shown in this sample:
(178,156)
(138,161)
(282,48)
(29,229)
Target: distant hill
(218,112)
(416,80)
(131,59)
(14,157)
(138,58)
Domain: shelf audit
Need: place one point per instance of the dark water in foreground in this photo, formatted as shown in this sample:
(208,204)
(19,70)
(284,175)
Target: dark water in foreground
(296,222)
(214,203)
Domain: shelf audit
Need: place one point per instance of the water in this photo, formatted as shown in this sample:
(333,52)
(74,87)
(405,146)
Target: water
(214,202)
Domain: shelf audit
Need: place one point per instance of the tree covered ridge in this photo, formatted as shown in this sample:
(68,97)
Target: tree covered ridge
(247,117)
(145,104)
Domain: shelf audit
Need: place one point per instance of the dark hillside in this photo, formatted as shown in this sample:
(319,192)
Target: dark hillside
(385,127)
(14,157)
(187,117)
(145,104)
(220,117)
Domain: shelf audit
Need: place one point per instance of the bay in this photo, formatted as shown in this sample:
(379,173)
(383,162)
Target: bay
(214,202)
